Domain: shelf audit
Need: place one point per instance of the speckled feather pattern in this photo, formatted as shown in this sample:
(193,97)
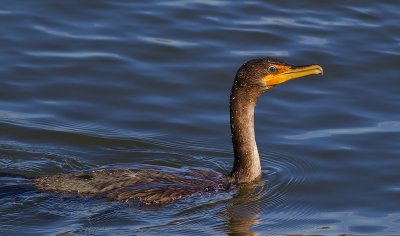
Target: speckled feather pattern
(148,186)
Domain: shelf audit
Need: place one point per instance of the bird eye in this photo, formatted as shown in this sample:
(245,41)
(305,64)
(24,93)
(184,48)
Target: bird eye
(271,69)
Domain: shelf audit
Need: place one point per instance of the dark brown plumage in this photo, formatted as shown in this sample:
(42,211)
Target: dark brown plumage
(149,186)
(160,186)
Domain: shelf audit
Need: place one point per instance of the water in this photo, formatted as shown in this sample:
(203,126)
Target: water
(85,84)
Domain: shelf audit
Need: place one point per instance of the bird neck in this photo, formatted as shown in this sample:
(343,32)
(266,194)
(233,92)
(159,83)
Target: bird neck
(246,166)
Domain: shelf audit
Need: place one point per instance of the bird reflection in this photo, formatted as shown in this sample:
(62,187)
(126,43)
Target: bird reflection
(243,211)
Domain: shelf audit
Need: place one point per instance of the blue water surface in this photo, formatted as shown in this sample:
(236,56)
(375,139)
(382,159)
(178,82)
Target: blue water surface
(86,84)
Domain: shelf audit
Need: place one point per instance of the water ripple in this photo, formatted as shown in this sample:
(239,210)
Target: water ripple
(281,21)
(185,3)
(282,174)
(2,12)
(76,55)
(261,53)
(387,126)
(305,22)
(308,40)
(165,41)
(72,36)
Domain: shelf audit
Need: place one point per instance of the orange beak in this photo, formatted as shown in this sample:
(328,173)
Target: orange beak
(291,72)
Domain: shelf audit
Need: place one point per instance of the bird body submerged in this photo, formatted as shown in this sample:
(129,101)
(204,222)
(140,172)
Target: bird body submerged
(152,185)
(145,184)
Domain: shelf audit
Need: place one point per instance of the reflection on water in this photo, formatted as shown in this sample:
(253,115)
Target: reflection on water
(244,210)
(87,84)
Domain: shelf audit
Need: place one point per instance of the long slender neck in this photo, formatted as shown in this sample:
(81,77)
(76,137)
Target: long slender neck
(246,166)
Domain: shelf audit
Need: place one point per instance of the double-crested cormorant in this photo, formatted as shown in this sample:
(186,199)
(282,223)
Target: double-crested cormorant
(162,185)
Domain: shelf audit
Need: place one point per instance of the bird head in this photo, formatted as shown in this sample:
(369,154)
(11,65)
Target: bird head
(264,73)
